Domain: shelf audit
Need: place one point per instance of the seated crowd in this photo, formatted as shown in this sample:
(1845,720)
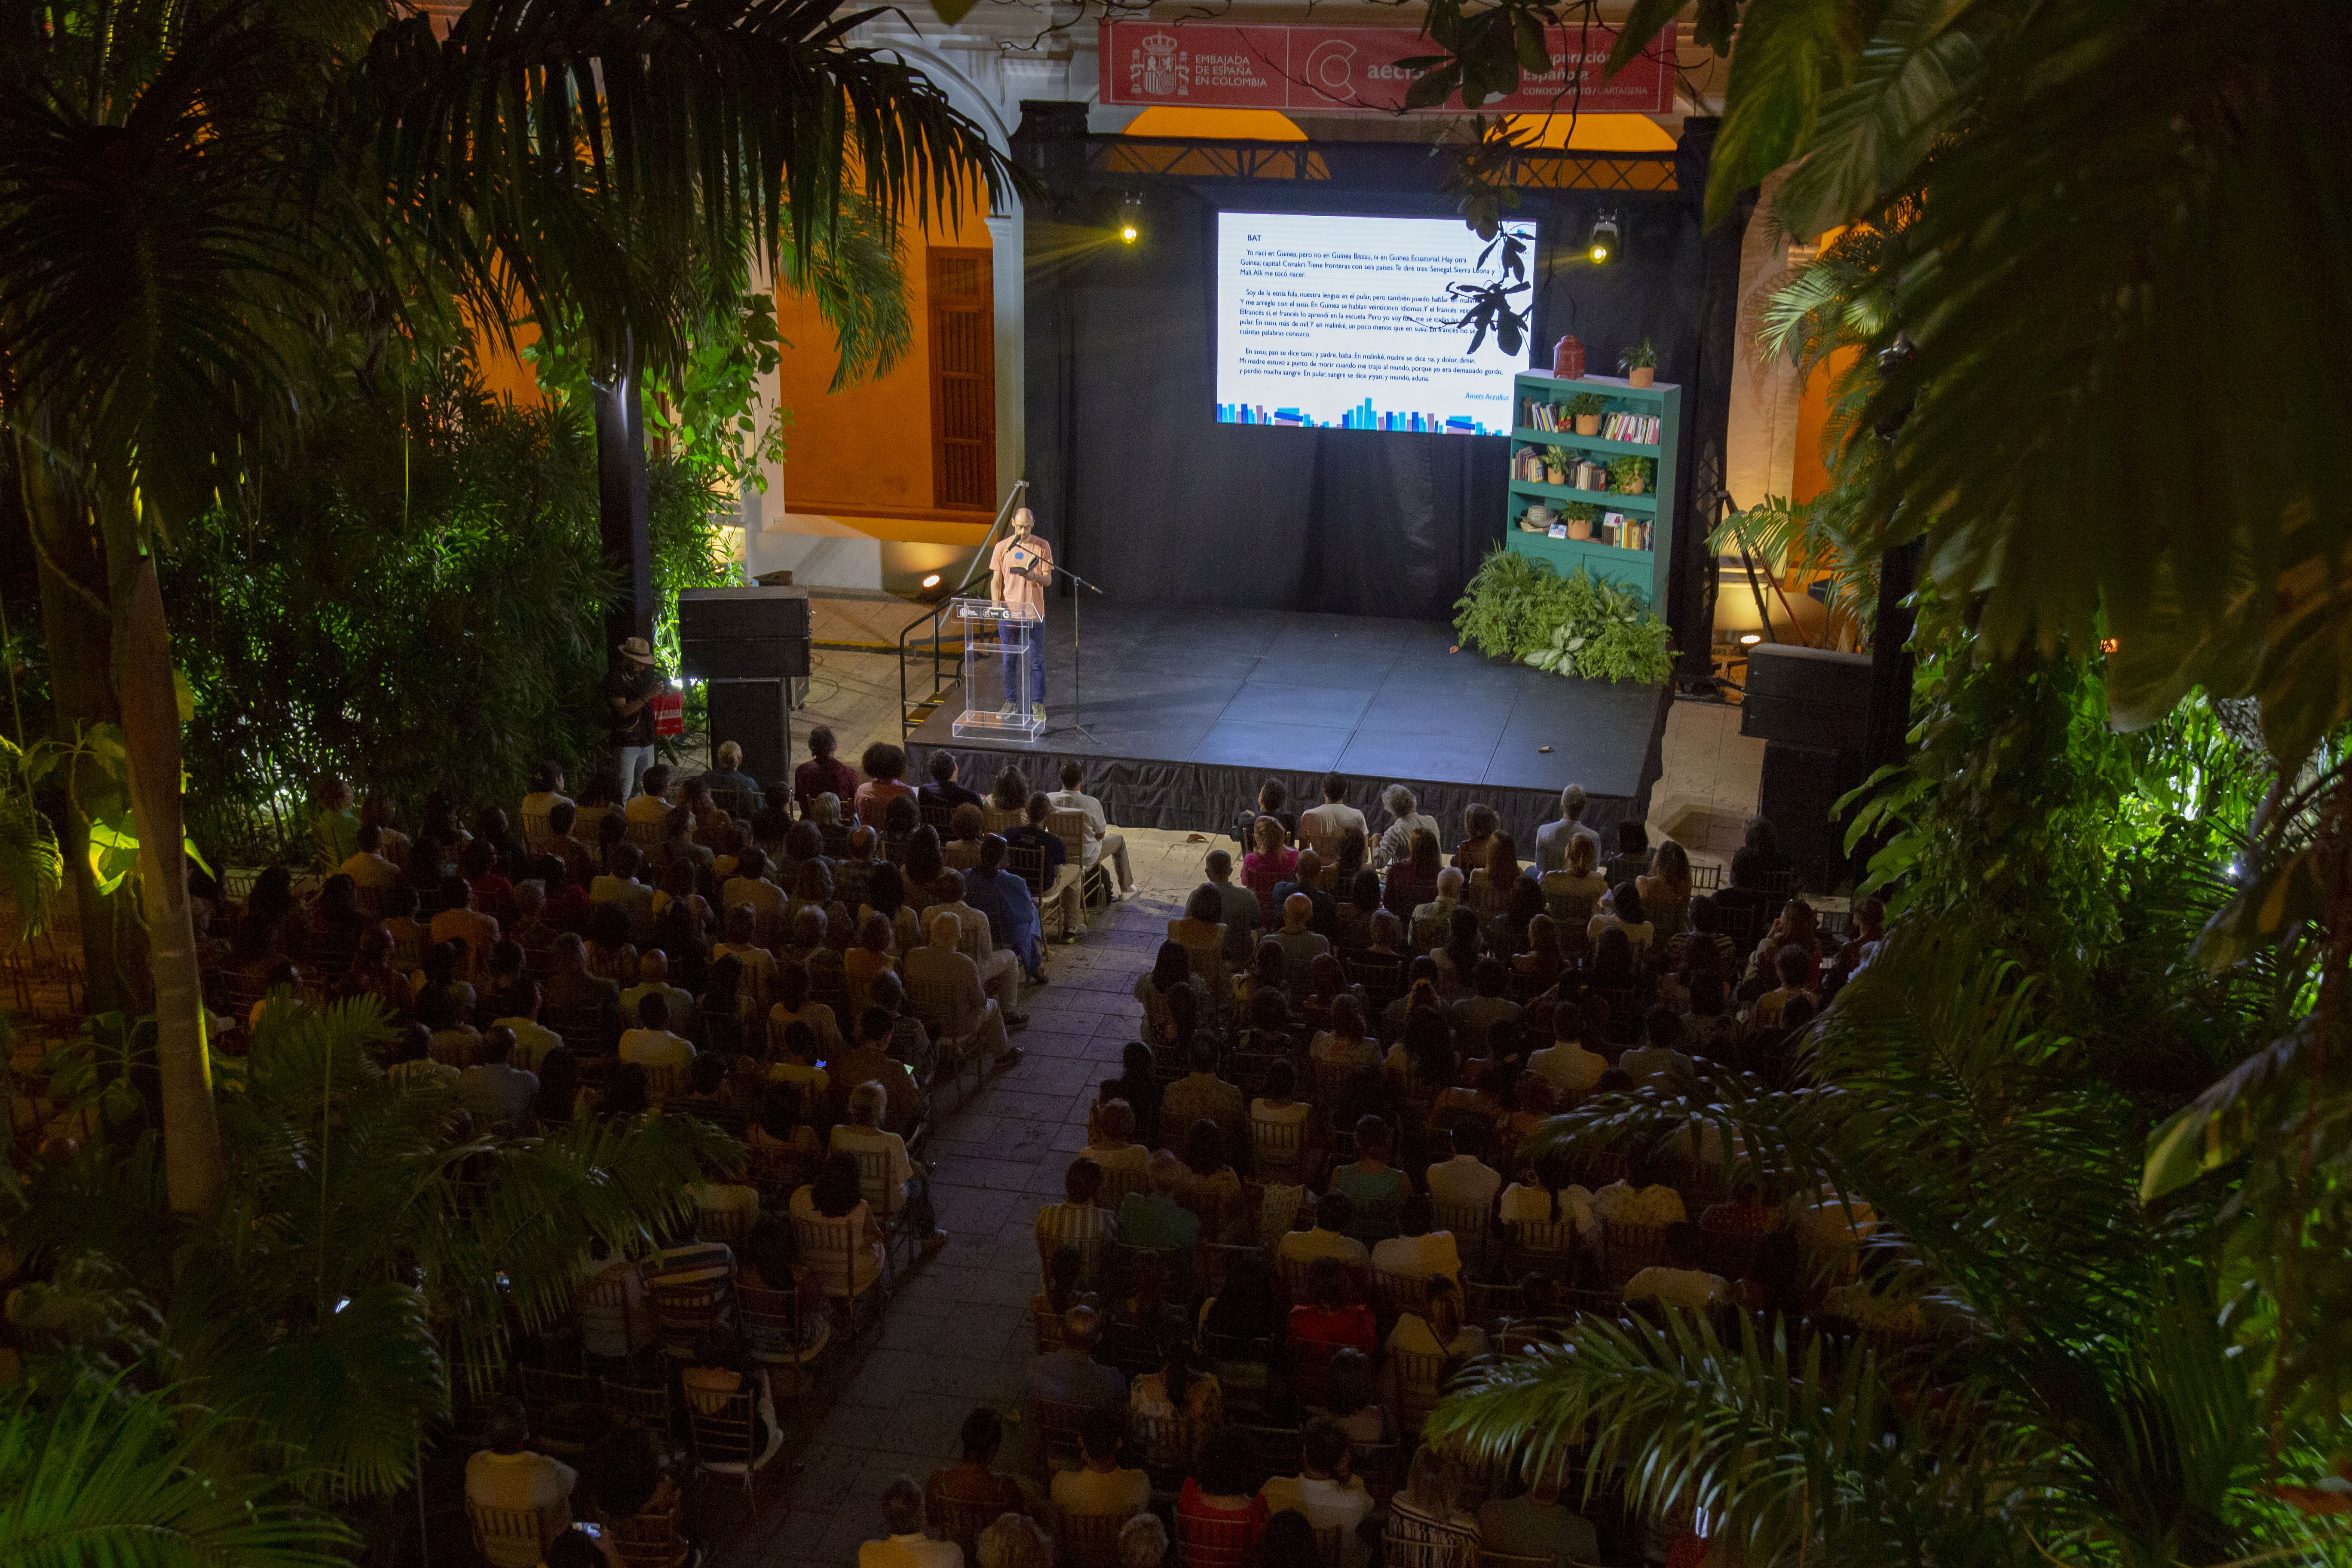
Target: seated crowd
(1302,1206)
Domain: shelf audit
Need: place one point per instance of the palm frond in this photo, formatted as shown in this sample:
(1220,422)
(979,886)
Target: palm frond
(107,1478)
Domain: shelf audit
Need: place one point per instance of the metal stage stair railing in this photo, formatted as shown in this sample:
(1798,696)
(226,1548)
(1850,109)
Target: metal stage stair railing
(940,660)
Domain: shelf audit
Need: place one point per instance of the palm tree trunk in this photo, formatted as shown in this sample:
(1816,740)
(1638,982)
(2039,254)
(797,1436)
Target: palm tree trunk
(79,628)
(193,1171)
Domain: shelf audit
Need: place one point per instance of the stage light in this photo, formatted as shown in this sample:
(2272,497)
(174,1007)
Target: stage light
(1601,247)
(1130,218)
(932,580)
(1750,639)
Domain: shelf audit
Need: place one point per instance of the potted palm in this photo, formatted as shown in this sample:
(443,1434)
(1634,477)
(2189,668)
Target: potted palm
(1631,474)
(1640,364)
(1586,407)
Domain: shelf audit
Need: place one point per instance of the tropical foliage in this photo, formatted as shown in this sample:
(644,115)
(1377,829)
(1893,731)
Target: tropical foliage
(1517,607)
(375,1254)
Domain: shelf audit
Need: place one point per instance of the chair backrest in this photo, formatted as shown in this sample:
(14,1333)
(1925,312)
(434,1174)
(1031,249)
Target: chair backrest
(728,1224)
(560,1405)
(1470,1224)
(1393,1295)
(937,815)
(1118,1182)
(831,1247)
(643,1405)
(654,1539)
(1420,1378)
(1546,1244)
(1627,1249)
(1089,1539)
(1214,1542)
(1381,978)
(874,1180)
(603,1311)
(725,1434)
(999,820)
(962,1521)
(688,1310)
(1408,1542)
(510,1537)
(662,1081)
(1167,1441)
(1070,828)
(1027,861)
(1055,1422)
(587,1030)
(1279,1149)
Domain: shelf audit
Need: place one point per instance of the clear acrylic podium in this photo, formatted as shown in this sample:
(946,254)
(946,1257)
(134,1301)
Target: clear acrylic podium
(997,654)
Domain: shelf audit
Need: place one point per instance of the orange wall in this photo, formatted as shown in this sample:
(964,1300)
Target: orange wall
(867,447)
(1810,471)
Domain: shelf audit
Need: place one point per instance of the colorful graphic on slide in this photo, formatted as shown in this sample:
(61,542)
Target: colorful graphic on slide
(1345,323)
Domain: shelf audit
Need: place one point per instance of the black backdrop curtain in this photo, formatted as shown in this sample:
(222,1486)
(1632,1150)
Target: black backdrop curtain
(1148,495)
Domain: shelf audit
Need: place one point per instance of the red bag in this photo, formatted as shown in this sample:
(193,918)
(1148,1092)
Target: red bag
(669,711)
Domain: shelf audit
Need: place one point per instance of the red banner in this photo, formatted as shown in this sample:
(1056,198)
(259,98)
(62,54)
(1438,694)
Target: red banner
(1353,71)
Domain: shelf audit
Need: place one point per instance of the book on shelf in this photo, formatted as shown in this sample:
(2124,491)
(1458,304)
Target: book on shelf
(1642,428)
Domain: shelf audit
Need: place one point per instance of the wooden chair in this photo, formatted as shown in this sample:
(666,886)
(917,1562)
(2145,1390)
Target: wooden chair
(1471,1225)
(654,1539)
(560,1403)
(727,1440)
(1546,1244)
(728,1224)
(1118,1182)
(1420,1379)
(1381,978)
(962,1522)
(687,1312)
(1394,1295)
(777,1334)
(832,1247)
(512,1537)
(1168,1444)
(1213,1543)
(643,1405)
(606,1313)
(1088,1540)
(1055,1423)
(888,1201)
(1406,1543)
(1627,1249)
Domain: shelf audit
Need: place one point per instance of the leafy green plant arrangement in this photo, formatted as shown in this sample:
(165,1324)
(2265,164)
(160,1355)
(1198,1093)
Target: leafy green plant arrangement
(1644,356)
(1580,511)
(1629,475)
(1584,404)
(1559,457)
(1518,608)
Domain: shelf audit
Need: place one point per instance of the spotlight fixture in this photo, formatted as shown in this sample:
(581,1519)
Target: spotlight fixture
(1750,639)
(1129,218)
(1601,247)
(932,580)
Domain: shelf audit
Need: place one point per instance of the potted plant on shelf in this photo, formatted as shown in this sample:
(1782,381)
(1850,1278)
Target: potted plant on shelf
(1557,463)
(1631,473)
(1580,517)
(1640,364)
(1586,407)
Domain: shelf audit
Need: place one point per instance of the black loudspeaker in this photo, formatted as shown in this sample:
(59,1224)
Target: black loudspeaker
(1800,787)
(757,716)
(743,634)
(1807,697)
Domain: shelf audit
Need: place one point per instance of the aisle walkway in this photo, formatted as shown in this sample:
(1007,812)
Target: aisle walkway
(958,1332)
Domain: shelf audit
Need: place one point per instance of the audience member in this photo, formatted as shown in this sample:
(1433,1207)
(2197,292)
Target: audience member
(1069,1373)
(1553,837)
(904,1544)
(508,1475)
(1679,1281)
(1100,840)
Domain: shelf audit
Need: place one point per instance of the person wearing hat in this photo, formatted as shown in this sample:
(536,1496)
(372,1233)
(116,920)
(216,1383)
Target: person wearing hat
(629,692)
(1022,565)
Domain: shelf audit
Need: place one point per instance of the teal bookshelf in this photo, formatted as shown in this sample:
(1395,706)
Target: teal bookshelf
(1645,569)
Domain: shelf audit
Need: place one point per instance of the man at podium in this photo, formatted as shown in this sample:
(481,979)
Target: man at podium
(1022,566)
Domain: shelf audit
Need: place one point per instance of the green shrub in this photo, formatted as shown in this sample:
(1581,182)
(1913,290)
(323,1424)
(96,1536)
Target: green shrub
(1518,608)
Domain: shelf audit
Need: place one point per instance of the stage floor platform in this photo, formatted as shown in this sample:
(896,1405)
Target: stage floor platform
(1190,711)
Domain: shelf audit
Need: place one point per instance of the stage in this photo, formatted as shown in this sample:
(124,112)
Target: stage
(1190,711)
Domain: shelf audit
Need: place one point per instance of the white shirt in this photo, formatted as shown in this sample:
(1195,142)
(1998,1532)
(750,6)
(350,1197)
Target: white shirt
(1097,823)
(656,1048)
(1307,1245)
(1650,1064)
(1321,827)
(1420,1257)
(909,1551)
(1531,1205)
(1654,1205)
(1396,840)
(1324,1502)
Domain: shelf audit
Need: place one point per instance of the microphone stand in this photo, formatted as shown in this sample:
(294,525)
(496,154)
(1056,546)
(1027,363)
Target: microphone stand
(1077,707)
